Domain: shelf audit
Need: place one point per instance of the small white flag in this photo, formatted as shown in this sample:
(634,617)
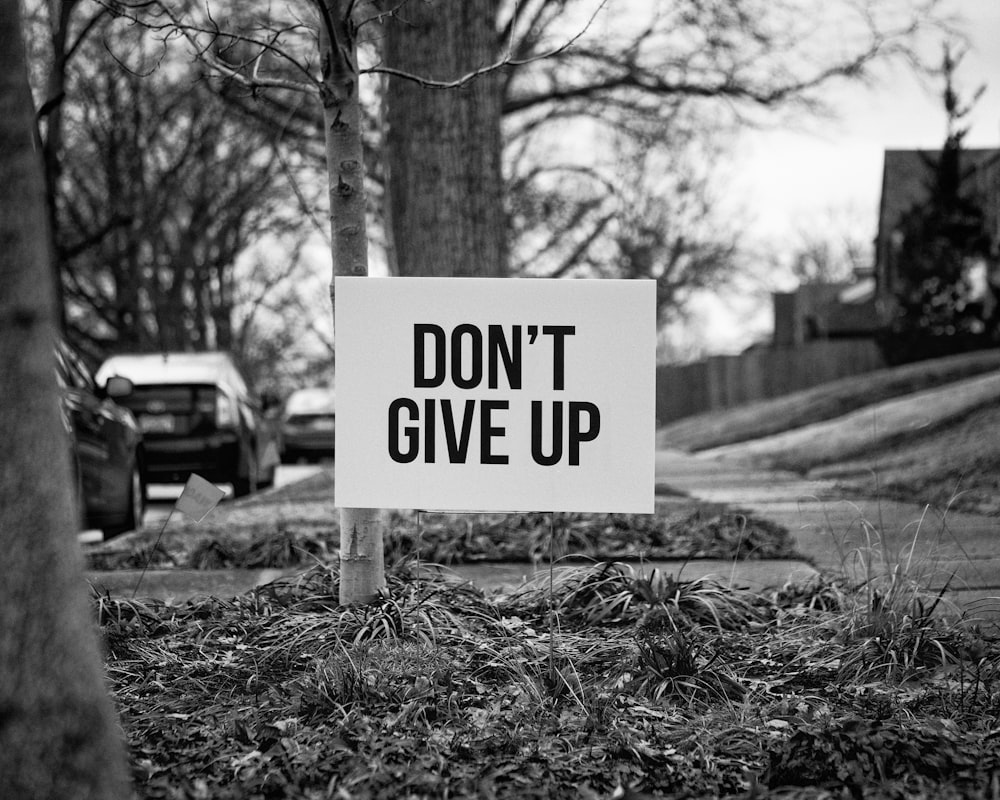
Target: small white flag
(198,498)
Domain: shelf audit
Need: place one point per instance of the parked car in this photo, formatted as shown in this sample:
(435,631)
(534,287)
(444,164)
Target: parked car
(197,414)
(106,447)
(308,425)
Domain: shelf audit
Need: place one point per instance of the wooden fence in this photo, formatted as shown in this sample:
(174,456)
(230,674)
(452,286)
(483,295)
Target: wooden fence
(726,381)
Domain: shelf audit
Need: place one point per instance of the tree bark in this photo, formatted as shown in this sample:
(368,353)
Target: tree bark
(362,570)
(443,146)
(58,733)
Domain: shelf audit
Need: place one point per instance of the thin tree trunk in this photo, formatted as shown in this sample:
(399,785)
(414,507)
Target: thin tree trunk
(58,733)
(362,571)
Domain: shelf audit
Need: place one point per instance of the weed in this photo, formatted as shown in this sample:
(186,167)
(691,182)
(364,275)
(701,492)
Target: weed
(611,593)
(676,666)
(820,592)
(373,674)
(598,680)
(893,624)
(855,752)
(315,589)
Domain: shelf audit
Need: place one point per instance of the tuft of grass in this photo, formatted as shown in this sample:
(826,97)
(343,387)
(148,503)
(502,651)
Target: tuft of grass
(680,666)
(399,673)
(894,622)
(613,593)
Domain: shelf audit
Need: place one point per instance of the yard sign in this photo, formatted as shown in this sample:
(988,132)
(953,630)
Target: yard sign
(495,394)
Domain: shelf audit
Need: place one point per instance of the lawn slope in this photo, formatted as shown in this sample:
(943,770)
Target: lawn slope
(827,401)
(926,433)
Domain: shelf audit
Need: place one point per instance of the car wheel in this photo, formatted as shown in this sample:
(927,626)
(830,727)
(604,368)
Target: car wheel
(136,506)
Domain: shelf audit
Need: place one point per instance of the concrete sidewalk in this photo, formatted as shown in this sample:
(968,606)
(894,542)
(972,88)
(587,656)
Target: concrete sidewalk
(834,531)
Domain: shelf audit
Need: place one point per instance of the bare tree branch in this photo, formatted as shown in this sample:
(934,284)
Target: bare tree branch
(506,61)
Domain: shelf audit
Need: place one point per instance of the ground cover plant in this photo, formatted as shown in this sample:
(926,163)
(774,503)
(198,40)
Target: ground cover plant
(594,682)
(297,525)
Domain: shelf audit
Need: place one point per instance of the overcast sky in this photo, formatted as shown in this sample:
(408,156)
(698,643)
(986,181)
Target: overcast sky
(796,178)
(829,177)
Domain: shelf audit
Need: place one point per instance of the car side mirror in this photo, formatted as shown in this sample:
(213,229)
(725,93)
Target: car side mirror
(118,386)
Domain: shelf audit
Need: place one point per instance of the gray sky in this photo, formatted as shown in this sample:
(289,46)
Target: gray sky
(800,179)
(828,176)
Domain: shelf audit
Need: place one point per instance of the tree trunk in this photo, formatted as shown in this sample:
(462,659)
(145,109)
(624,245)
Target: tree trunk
(362,571)
(445,184)
(58,734)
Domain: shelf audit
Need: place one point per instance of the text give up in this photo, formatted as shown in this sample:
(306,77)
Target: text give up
(459,358)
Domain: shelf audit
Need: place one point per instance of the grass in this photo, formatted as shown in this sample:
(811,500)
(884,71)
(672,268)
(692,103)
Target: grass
(824,402)
(895,615)
(602,684)
(956,465)
(921,433)
(596,681)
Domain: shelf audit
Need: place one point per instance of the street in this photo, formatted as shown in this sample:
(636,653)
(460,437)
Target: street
(163,496)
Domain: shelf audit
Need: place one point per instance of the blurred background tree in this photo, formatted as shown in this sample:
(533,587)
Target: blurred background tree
(564,138)
(158,187)
(820,258)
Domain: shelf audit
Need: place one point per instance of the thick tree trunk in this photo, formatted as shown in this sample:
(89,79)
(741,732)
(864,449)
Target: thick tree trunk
(58,734)
(443,145)
(362,570)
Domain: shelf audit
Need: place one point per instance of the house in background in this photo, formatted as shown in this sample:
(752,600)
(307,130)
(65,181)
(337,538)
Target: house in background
(858,310)
(826,331)
(907,176)
(825,311)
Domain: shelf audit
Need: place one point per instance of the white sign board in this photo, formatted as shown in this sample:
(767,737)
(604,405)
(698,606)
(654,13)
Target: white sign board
(479,394)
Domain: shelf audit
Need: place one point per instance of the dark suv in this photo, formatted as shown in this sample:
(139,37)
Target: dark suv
(197,414)
(106,447)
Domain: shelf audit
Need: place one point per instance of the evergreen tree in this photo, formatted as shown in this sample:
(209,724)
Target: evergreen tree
(944,302)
